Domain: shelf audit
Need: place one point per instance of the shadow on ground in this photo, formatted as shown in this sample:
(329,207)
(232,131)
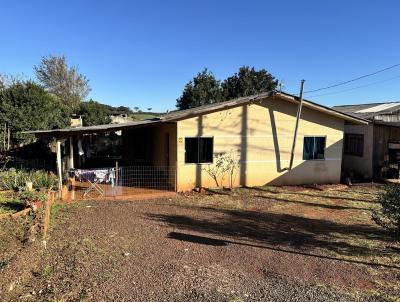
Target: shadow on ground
(281,232)
(12,206)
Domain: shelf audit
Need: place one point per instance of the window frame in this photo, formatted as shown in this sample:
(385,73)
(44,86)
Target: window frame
(198,150)
(346,137)
(313,153)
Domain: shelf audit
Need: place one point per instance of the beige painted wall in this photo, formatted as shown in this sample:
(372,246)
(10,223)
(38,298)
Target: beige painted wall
(260,136)
(360,167)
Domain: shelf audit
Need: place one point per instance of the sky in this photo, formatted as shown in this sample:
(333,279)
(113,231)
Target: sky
(142,53)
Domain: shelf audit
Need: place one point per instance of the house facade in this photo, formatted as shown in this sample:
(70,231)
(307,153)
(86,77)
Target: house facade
(372,151)
(255,134)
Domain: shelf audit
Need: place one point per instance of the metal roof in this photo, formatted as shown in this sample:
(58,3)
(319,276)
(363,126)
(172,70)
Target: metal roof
(369,111)
(193,112)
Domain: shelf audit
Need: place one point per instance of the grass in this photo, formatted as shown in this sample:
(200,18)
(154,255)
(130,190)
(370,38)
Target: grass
(138,116)
(9,204)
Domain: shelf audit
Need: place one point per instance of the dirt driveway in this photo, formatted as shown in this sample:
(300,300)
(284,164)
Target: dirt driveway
(245,246)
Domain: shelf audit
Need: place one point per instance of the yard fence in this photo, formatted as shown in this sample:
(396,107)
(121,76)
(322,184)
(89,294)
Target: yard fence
(112,182)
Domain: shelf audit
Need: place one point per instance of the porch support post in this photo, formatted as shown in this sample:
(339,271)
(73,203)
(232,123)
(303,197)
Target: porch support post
(59,168)
(71,152)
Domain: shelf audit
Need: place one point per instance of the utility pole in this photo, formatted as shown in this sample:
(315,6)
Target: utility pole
(297,124)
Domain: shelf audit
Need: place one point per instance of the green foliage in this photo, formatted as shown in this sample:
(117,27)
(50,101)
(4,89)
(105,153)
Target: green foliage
(13,179)
(94,113)
(43,179)
(388,216)
(248,81)
(27,106)
(70,86)
(28,197)
(204,88)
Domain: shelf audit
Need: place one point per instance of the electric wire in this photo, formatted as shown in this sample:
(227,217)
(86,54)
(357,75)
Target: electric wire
(357,87)
(353,80)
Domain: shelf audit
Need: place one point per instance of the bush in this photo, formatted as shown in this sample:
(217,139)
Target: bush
(32,199)
(42,179)
(388,216)
(13,179)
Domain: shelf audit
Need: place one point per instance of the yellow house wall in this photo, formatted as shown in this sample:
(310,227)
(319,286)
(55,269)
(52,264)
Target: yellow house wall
(260,137)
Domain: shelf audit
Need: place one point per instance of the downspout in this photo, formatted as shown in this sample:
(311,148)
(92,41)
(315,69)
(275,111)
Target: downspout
(297,125)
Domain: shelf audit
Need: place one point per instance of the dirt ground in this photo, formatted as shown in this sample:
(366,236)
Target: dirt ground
(261,244)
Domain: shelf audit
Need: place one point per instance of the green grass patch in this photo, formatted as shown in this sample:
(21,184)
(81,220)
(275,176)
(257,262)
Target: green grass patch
(10,204)
(138,116)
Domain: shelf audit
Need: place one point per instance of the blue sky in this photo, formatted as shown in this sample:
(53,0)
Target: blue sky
(143,53)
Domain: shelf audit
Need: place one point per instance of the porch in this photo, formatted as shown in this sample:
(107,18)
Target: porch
(126,162)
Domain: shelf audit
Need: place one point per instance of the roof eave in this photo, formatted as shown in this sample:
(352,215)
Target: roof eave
(324,109)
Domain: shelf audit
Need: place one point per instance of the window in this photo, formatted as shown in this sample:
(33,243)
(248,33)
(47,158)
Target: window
(199,150)
(314,147)
(354,144)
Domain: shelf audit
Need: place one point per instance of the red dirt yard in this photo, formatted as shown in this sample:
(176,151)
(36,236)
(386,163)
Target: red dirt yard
(260,244)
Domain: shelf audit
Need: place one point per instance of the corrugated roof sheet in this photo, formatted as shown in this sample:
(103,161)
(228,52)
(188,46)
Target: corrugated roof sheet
(368,111)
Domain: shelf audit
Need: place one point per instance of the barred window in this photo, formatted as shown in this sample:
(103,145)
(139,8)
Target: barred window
(354,144)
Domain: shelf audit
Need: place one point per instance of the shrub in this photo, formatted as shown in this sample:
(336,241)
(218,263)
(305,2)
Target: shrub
(224,165)
(13,179)
(388,216)
(42,179)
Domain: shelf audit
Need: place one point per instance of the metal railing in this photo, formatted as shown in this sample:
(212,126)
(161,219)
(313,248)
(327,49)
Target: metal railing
(122,181)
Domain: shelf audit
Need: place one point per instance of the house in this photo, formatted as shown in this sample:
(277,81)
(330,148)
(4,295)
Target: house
(372,151)
(119,117)
(256,132)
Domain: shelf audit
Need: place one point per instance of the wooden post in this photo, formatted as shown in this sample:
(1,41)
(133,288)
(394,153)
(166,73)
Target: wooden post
(4,136)
(59,168)
(8,138)
(71,152)
(116,173)
(47,211)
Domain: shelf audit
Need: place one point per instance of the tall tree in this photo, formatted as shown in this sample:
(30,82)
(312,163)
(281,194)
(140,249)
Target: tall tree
(94,113)
(203,89)
(28,106)
(248,81)
(65,82)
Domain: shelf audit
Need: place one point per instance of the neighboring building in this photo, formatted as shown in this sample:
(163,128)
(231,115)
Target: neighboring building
(76,121)
(119,118)
(256,132)
(372,151)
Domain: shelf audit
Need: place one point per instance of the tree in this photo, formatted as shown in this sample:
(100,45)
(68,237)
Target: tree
(28,106)
(70,86)
(203,89)
(248,81)
(121,109)
(388,216)
(94,113)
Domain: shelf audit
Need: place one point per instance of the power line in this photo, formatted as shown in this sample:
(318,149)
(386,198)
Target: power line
(357,87)
(352,80)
